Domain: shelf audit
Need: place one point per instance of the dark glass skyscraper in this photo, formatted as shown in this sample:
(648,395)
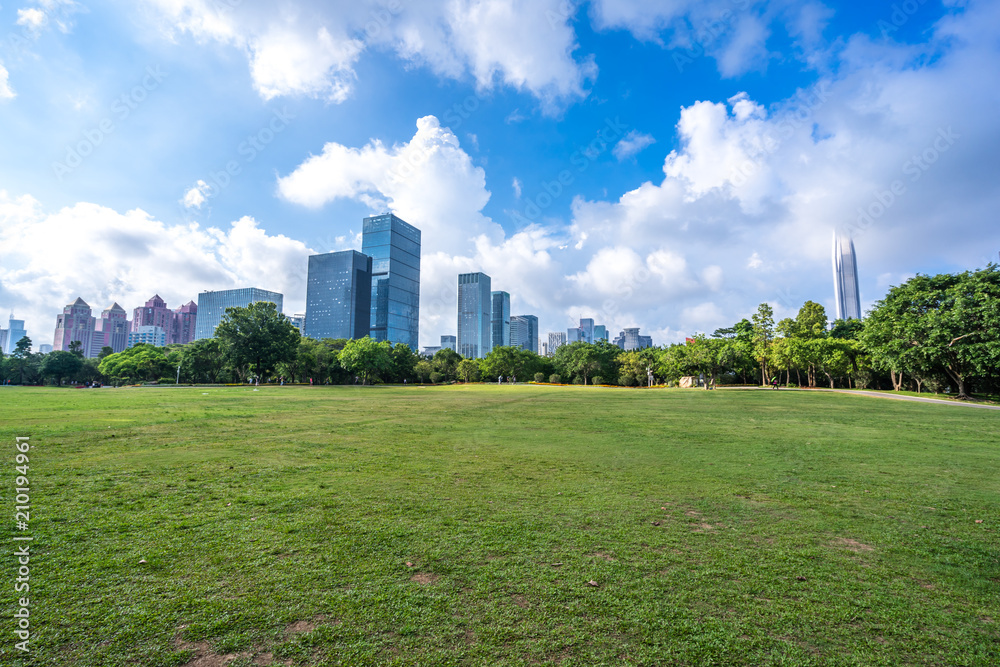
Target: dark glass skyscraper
(524,332)
(338,295)
(394,246)
(500,319)
(474,310)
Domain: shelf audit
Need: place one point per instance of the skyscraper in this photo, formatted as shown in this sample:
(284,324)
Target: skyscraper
(184,325)
(500,319)
(15,332)
(600,333)
(394,246)
(449,342)
(524,332)
(845,278)
(74,324)
(338,295)
(212,306)
(111,330)
(475,309)
(556,340)
(630,339)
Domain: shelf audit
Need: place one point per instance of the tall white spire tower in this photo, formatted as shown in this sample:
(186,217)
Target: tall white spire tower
(845,277)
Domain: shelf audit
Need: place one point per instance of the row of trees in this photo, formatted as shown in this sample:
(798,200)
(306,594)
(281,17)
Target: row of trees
(932,332)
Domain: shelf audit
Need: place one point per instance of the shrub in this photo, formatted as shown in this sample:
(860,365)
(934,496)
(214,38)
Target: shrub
(436,377)
(597,379)
(539,377)
(166,381)
(578,380)
(555,378)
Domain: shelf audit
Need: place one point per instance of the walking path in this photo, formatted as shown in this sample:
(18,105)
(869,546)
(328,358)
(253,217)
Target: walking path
(876,394)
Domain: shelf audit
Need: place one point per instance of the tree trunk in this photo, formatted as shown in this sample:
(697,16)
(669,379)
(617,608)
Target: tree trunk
(798,376)
(830,378)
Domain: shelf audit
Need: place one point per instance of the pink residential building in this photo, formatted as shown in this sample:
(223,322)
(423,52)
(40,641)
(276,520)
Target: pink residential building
(75,324)
(110,331)
(177,324)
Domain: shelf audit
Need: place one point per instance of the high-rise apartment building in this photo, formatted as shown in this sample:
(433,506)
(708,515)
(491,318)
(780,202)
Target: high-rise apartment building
(475,308)
(846,292)
(147,334)
(212,306)
(394,246)
(75,324)
(338,295)
(556,340)
(524,332)
(111,330)
(500,319)
(184,324)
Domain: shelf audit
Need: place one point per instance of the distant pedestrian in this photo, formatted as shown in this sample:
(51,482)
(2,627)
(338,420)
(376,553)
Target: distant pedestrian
(774,382)
(499,379)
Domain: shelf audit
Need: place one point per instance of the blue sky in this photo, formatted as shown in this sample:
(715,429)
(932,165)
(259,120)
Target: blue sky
(173,146)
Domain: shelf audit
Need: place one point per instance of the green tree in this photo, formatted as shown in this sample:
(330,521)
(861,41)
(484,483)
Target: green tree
(76,347)
(763,334)
(468,370)
(366,358)
(404,361)
(445,361)
(105,351)
(61,364)
(143,362)
(503,361)
(257,337)
(21,358)
(811,321)
(423,370)
(948,324)
(847,329)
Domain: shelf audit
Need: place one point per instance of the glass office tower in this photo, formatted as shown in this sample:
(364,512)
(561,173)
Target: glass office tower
(338,295)
(212,306)
(524,332)
(475,335)
(394,246)
(500,319)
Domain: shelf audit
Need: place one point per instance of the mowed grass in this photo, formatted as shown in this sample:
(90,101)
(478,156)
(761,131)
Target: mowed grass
(735,527)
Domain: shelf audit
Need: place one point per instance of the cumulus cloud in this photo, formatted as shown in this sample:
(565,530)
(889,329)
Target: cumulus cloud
(46,13)
(632,144)
(129,257)
(312,48)
(757,190)
(6,92)
(197,195)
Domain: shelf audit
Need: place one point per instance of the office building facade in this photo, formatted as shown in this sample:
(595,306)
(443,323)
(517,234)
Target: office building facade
(449,343)
(500,319)
(15,332)
(147,334)
(556,340)
(475,309)
(524,332)
(338,295)
(630,339)
(600,333)
(394,246)
(212,306)
(847,294)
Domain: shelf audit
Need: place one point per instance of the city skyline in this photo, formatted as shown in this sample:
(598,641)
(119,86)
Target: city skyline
(594,161)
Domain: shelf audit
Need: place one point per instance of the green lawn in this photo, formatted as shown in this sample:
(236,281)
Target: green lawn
(725,528)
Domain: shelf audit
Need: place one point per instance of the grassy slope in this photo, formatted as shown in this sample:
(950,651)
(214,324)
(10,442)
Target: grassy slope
(799,528)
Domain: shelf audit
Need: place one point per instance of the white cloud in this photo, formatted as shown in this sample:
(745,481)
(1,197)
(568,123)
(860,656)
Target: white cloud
(6,92)
(32,18)
(130,256)
(197,195)
(428,181)
(312,48)
(632,144)
(516,185)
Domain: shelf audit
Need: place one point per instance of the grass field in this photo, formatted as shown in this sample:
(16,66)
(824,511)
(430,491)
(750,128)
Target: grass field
(468,526)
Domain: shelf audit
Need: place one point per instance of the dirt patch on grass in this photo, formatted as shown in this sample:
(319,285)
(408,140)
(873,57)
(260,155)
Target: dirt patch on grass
(520,601)
(853,545)
(299,627)
(267,659)
(424,578)
(204,656)
(601,554)
(703,528)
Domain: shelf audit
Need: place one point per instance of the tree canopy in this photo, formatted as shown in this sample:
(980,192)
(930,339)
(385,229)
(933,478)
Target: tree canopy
(257,337)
